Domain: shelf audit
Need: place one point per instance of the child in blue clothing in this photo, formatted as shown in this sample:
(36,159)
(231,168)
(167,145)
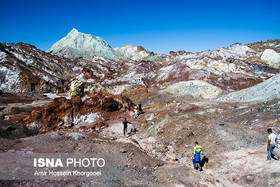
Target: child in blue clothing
(196,162)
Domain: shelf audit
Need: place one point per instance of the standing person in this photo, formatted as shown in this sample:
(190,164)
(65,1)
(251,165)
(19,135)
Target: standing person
(136,111)
(197,153)
(271,144)
(140,107)
(125,122)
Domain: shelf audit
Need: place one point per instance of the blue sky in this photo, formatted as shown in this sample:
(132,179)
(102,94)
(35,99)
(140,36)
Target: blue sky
(159,26)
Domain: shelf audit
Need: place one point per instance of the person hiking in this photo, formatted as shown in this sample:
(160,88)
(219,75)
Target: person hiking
(140,107)
(197,153)
(136,111)
(125,122)
(271,144)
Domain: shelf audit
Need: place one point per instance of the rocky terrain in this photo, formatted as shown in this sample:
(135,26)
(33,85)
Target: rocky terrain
(224,98)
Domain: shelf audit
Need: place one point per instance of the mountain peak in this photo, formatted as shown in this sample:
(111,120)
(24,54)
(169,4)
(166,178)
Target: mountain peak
(77,44)
(74,31)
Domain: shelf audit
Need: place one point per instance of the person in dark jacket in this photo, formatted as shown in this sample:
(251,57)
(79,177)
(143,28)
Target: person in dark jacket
(125,122)
(203,161)
(140,108)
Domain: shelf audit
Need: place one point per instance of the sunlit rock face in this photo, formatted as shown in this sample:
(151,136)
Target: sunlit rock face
(24,68)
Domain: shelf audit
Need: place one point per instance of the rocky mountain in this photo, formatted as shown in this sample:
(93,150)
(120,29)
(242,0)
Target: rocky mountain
(231,68)
(80,45)
(77,44)
(24,68)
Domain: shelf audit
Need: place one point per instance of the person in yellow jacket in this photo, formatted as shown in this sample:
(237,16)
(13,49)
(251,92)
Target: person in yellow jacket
(197,149)
(197,154)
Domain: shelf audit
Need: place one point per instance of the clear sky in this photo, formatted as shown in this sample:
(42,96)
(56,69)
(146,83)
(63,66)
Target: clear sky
(159,26)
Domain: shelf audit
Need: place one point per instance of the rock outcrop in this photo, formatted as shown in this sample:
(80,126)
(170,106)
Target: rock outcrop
(76,89)
(64,113)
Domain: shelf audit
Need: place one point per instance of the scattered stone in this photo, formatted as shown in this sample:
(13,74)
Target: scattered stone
(123,151)
(9,128)
(7,118)
(60,124)
(98,126)
(135,141)
(191,134)
(34,125)
(79,137)
(250,178)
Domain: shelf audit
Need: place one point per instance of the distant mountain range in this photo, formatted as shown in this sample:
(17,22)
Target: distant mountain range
(24,68)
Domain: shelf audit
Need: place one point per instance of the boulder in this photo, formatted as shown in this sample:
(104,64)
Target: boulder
(76,89)
(271,57)
(98,125)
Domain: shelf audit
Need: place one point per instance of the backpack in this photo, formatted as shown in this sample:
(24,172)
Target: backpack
(197,158)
